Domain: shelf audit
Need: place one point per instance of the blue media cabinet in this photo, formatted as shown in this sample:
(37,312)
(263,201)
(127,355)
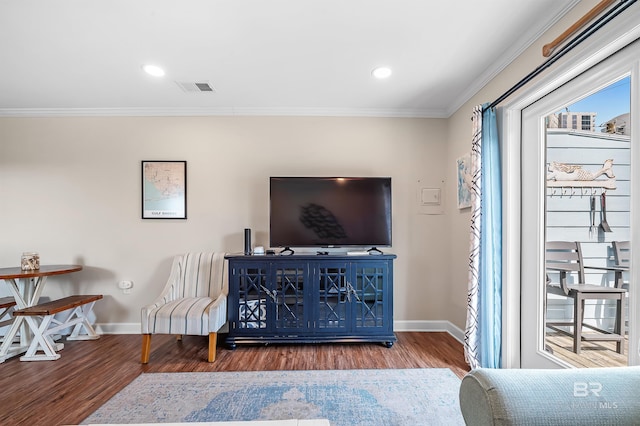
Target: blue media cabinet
(310,299)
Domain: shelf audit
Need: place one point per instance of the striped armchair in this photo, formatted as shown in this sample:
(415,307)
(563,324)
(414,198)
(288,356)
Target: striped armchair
(193,302)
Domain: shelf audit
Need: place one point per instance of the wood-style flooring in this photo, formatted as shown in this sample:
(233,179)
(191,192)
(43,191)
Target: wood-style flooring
(66,391)
(592,354)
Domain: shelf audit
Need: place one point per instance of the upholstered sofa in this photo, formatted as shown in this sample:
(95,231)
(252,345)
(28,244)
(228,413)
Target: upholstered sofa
(596,396)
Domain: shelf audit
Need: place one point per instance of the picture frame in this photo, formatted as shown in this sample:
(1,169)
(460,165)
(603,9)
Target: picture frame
(464,181)
(164,189)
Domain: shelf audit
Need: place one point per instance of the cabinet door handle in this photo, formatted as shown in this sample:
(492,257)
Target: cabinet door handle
(273,295)
(350,291)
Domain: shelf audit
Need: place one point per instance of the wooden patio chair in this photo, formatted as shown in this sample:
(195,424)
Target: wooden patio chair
(565,259)
(622,255)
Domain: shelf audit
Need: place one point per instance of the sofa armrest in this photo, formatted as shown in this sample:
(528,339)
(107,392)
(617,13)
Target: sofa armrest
(597,396)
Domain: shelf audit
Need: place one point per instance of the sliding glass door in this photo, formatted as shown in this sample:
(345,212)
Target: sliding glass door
(580,187)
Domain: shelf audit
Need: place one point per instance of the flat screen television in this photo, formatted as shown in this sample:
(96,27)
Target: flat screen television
(330,211)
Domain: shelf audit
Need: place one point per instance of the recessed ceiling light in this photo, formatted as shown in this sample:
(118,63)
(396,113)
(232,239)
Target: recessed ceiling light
(153,70)
(381,72)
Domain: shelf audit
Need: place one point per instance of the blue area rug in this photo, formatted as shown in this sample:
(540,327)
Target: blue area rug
(345,397)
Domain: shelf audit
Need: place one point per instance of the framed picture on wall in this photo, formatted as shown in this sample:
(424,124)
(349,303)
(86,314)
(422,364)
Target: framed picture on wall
(164,189)
(464,181)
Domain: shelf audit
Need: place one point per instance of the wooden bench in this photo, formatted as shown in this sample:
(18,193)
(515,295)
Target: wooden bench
(78,307)
(6,308)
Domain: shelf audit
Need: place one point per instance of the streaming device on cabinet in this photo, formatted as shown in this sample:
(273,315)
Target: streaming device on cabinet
(358,253)
(247,241)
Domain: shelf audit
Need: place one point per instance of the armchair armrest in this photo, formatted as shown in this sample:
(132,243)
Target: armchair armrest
(617,269)
(563,270)
(218,312)
(168,292)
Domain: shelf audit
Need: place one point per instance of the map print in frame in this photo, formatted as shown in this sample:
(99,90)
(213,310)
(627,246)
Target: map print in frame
(164,189)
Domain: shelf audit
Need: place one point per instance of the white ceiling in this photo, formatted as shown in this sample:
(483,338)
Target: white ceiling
(294,57)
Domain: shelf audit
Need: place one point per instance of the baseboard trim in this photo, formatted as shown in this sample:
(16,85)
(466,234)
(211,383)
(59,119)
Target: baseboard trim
(424,326)
(117,328)
(430,326)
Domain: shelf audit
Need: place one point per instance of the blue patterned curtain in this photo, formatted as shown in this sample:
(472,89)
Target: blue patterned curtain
(483,334)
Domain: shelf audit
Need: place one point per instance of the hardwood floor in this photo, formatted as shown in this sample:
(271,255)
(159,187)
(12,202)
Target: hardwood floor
(66,391)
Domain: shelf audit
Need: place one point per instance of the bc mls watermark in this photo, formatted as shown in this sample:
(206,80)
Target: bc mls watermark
(590,390)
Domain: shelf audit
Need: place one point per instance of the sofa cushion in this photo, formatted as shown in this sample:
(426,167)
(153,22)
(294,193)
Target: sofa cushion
(596,396)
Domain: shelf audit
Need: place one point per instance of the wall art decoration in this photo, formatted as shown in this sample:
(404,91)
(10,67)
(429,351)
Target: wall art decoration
(464,181)
(164,189)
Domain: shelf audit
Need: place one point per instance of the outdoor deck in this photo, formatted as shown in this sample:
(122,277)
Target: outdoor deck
(592,354)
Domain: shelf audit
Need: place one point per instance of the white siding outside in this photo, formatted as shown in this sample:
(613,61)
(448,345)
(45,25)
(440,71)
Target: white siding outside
(568,217)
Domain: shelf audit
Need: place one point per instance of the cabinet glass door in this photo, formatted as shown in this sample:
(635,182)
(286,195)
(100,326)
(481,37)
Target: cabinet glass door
(367,294)
(288,296)
(333,295)
(252,295)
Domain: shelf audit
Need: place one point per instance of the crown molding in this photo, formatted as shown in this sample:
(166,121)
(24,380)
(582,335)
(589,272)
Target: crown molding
(207,111)
(519,46)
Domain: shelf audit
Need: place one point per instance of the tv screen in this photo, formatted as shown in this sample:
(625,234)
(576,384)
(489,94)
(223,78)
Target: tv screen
(330,211)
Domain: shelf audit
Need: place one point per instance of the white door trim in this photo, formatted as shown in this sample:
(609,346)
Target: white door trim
(621,32)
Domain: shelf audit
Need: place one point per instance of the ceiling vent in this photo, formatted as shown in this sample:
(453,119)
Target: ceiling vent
(201,87)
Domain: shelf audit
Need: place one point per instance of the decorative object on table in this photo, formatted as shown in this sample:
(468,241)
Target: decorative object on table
(464,181)
(164,189)
(345,397)
(30,261)
(575,176)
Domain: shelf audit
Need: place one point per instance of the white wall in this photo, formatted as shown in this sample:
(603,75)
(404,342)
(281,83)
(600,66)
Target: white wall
(71,191)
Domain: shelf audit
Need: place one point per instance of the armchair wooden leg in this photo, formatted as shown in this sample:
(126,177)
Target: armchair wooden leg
(146,348)
(213,338)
